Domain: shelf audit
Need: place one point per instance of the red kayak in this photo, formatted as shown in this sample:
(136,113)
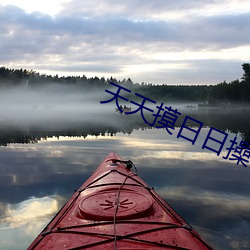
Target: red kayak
(116,209)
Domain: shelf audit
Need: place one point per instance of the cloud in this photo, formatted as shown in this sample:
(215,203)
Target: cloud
(147,9)
(123,30)
(125,40)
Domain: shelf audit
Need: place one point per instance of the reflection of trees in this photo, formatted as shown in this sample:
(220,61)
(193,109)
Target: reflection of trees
(225,120)
(34,133)
(234,121)
(18,136)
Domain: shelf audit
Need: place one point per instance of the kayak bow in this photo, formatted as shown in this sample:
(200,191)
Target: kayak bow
(116,209)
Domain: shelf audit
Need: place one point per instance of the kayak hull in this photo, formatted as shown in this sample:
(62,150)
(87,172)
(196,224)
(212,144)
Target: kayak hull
(116,209)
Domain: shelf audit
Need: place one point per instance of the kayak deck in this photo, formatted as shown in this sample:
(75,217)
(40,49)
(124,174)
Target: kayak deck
(116,209)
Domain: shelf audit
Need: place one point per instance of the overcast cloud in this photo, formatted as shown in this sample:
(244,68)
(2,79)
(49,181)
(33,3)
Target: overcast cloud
(171,42)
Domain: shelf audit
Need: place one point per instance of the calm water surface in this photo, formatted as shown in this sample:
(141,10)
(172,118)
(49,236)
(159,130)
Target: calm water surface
(42,164)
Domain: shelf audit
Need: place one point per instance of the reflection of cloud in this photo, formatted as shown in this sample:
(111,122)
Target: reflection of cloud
(201,156)
(147,144)
(168,148)
(29,213)
(228,203)
(221,240)
(25,220)
(221,218)
(2,209)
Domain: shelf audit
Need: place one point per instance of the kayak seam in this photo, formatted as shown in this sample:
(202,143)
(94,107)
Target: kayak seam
(111,184)
(107,184)
(119,222)
(128,237)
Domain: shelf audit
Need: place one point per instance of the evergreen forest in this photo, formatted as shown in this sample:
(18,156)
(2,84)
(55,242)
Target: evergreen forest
(224,93)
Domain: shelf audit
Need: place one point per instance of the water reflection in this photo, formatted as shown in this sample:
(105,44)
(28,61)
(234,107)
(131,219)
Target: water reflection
(101,124)
(31,210)
(209,192)
(21,221)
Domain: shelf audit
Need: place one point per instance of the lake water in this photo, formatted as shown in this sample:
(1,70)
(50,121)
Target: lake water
(43,160)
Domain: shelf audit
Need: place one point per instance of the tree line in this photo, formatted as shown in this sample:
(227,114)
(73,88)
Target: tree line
(236,91)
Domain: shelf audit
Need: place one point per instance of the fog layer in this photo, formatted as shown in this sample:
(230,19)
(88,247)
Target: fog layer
(55,102)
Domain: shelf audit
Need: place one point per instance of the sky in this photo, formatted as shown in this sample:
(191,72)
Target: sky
(159,42)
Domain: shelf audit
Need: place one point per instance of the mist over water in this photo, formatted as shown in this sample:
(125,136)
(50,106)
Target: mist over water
(52,103)
(61,104)
(58,107)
